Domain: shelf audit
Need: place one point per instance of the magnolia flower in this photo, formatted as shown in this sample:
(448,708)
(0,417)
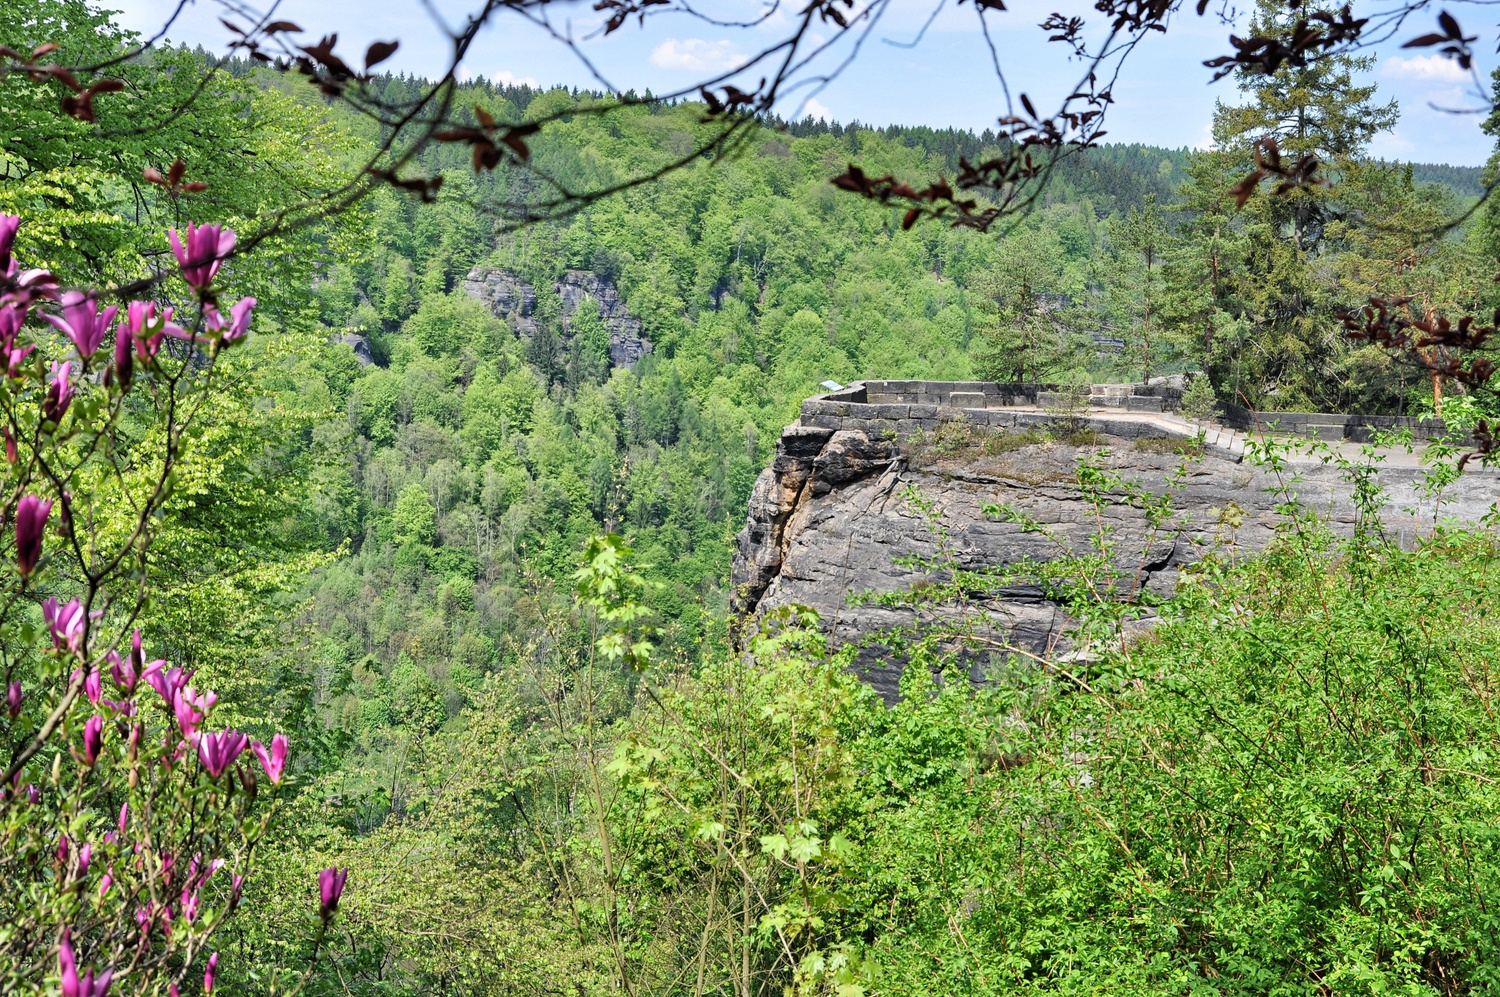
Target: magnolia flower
(124,816)
(274,760)
(13,699)
(13,356)
(208,977)
(33,794)
(82,322)
(218,751)
(166,683)
(12,317)
(236,885)
(105,884)
(59,393)
(31,523)
(189,905)
(121,671)
(204,253)
(67,971)
(93,739)
(66,623)
(84,855)
(330,888)
(147,328)
(239,320)
(191,708)
(93,685)
(8,226)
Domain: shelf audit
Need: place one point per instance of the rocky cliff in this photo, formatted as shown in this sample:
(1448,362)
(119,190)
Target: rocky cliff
(837,512)
(514,300)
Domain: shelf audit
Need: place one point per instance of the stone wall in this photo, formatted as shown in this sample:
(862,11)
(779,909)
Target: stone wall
(1328,425)
(900,409)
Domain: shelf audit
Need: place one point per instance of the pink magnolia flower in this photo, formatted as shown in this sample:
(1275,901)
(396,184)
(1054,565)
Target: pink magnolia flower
(204,253)
(93,684)
(124,816)
(66,623)
(272,761)
(236,885)
(62,849)
(330,888)
(10,445)
(31,522)
(13,356)
(105,884)
(82,322)
(12,317)
(238,325)
(84,855)
(218,751)
(33,794)
(59,393)
(123,672)
(93,739)
(208,977)
(67,971)
(166,683)
(191,708)
(146,327)
(8,226)
(14,698)
(189,906)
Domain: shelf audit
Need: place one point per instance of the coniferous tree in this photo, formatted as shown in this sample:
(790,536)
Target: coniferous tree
(1295,355)
(1032,324)
(1131,269)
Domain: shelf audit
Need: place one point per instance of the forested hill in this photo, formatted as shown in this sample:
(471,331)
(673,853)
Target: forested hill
(481,452)
(441,513)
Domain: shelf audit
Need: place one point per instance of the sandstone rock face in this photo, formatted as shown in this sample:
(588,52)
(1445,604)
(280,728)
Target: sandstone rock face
(361,347)
(837,514)
(511,298)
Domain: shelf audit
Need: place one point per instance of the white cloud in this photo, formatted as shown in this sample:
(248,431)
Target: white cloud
(815,108)
(508,79)
(1424,67)
(697,55)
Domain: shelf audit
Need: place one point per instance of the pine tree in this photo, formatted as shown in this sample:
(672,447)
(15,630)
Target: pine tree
(1030,326)
(1132,271)
(1281,247)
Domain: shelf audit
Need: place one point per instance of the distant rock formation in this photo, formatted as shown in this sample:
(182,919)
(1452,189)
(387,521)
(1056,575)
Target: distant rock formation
(830,518)
(360,345)
(511,298)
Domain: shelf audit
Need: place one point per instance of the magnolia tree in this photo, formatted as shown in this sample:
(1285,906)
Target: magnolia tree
(128,823)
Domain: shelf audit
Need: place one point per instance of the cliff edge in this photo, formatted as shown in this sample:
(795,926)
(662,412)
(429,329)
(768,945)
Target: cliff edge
(871,492)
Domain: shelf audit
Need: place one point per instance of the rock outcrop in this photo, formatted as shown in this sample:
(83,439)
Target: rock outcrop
(861,508)
(513,299)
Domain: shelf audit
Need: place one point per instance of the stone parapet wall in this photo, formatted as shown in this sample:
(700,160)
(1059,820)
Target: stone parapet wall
(1329,425)
(913,405)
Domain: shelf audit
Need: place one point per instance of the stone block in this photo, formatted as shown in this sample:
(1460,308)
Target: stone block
(967,399)
(923,412)
(890,411)
(830,423)
(818,406)
(1143,403)
(1333,432)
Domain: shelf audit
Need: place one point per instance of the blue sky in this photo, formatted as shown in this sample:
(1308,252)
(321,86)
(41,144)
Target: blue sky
(1164,97)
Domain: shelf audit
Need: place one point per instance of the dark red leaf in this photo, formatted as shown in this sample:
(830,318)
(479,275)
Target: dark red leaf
(379,52)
